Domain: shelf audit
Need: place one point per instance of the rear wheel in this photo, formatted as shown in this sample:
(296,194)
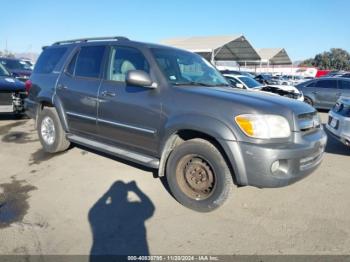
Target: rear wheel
(309,101)
(50,131)
(198,175)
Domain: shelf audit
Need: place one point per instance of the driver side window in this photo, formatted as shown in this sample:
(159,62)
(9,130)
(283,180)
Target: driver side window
(124,59)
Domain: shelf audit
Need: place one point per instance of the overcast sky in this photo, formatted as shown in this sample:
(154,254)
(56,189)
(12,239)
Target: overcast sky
(302,27)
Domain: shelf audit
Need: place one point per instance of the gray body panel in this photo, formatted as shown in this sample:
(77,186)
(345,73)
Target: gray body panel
(143,121)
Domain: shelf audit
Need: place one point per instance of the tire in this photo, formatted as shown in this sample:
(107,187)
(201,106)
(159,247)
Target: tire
(203,189)
(308,101)
(48,117)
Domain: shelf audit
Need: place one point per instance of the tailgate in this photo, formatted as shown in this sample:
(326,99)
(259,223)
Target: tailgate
(6,102)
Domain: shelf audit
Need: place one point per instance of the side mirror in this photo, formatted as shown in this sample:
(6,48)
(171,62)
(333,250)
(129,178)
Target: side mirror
(140,78)
(239,85)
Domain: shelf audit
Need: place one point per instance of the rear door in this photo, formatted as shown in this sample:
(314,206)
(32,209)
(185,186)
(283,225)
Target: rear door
(326,93)
(78,88)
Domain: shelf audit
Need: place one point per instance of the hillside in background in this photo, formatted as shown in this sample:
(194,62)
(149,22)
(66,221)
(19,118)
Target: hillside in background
(27,55)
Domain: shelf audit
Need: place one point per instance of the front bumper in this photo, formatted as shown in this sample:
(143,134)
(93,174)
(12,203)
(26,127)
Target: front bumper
(341,129)
(296,160)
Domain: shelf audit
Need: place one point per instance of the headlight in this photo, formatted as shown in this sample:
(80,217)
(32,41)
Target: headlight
(263,126)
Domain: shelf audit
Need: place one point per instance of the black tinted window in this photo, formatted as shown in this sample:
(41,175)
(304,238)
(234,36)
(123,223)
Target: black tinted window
(344,84)
(49,59)
(124,59)
(309,84)
(89,61)
(327,83)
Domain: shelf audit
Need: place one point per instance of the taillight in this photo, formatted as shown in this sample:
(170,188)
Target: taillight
(28,85)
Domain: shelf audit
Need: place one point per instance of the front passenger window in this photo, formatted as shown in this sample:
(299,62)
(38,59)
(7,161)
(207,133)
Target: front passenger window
(124,59)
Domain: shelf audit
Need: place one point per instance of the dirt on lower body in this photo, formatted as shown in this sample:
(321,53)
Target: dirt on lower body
(14,201)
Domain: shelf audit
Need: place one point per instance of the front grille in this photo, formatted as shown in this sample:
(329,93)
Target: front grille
(308,122)
(312,160)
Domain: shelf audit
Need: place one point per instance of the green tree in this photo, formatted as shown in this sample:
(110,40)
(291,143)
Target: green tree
(334,59)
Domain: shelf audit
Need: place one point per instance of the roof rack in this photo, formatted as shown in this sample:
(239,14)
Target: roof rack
(79,40)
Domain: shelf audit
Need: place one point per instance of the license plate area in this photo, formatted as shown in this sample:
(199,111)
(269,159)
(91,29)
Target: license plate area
(333,122)
(5,99)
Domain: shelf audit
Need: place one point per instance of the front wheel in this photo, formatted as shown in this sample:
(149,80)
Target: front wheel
(198,175)
(51,134)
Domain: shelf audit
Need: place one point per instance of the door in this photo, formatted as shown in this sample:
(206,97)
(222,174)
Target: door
(78,88)
(128,115)
(326,93)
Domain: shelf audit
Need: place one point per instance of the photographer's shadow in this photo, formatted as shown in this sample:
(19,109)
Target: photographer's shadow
(117,224)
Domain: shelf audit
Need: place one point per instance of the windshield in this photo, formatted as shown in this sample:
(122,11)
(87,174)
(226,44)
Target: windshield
(15,64)
(250,82)
(3,71)
(185,68)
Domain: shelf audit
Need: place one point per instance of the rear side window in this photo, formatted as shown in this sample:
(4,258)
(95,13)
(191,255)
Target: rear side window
(49,59)
(327,83)
(89,61)
(344,84)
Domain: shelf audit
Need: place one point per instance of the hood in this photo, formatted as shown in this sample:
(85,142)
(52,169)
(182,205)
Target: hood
(10,84)
(250,101)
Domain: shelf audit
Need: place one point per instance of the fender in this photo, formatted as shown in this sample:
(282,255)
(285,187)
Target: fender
(203,124)
(61,113)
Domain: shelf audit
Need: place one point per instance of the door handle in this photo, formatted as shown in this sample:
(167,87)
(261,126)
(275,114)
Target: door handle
(106,93)
(61,86)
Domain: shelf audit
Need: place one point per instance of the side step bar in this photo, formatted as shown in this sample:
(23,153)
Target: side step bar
(116,151)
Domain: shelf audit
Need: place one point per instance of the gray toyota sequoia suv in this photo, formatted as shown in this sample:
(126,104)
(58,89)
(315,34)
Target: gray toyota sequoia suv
(171,110)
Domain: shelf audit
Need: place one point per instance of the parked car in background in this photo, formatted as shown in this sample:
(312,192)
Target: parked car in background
(234,72)
(324,92)
(265,79)
(28,62)
(171,110)
(18,68)
(347,75)
(12,93)
(245,82)
(339,120)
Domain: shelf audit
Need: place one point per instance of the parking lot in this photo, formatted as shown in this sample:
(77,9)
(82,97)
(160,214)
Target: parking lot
(80,201)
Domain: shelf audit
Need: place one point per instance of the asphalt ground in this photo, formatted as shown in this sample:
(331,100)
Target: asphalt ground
(79,202)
